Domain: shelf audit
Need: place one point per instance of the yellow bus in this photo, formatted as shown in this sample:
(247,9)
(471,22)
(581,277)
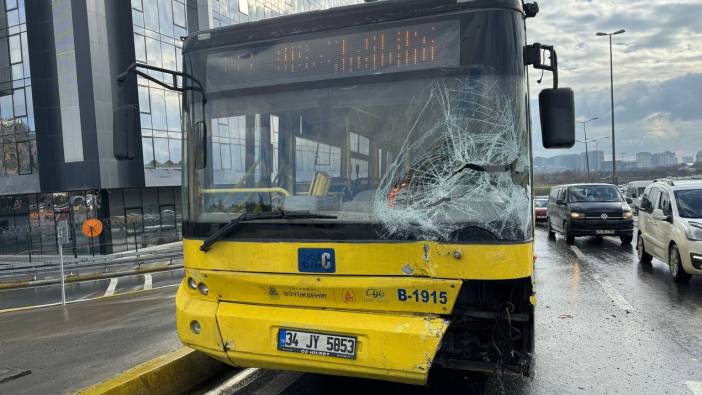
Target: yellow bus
(358,189)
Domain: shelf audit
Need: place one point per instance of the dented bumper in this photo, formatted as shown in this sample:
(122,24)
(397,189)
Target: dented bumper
(382,340)
(247,334)
(407,305)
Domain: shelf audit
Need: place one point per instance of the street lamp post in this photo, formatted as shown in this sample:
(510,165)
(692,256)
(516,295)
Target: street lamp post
(611,94)
(587,154)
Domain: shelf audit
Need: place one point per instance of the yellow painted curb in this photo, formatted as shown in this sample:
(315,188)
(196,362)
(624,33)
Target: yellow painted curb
(174,373)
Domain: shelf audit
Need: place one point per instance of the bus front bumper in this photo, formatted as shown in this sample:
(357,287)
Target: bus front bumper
(390,346)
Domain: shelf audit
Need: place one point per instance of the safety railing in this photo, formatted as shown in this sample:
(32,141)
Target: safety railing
(49,266)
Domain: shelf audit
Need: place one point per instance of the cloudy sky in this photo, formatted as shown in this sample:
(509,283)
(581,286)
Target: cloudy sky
(657,71)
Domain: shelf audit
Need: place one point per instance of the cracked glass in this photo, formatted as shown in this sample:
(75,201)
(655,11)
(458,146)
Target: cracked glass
(439,150)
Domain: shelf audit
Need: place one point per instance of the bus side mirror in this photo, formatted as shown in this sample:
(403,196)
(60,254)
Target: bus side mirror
(200,147)
(125,125)
(557,113)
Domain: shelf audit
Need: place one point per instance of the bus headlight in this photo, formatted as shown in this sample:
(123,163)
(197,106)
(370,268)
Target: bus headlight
(195,327)
(192,283)
(627,215)
(203,289)
(577,215)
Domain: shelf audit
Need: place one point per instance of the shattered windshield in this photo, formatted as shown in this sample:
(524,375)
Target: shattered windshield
(431,154)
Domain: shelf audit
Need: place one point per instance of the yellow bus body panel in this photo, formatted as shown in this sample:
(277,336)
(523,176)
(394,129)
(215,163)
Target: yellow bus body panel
(389,346)
(421,259)
(432,296)
(255,289)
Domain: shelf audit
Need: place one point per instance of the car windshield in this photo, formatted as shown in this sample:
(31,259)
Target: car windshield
(540,202)
(689,203)
(594,193)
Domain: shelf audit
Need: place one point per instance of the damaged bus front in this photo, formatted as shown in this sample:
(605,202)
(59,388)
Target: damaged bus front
(358,190)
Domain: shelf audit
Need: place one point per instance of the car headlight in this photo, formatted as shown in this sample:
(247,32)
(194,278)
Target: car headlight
(627,215)
(577,215)
(694,231)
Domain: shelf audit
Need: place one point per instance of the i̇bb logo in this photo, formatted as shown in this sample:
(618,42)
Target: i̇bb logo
(349,297)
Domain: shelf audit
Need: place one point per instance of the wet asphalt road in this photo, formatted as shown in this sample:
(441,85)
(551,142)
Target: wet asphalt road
(84,290)
(71,348)
(605,324)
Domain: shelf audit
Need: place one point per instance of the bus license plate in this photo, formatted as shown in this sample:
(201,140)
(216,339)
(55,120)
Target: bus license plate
(605,232)
(314,343)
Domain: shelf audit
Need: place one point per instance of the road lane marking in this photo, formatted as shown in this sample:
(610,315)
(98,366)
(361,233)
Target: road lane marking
(89,296)
(609,289)
(111,288)
(14,309)
(695,387)
(148,280)
(620,301)
(577,252)
(235,380)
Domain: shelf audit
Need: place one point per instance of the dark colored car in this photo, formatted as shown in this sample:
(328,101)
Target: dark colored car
(589,210)
(541,209)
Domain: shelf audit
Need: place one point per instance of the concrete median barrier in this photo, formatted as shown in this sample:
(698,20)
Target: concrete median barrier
(176,373)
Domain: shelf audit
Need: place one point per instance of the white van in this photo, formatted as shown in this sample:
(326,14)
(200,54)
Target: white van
(670,227)
(634,191)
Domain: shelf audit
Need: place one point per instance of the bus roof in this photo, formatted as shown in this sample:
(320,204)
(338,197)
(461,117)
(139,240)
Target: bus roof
(335,18)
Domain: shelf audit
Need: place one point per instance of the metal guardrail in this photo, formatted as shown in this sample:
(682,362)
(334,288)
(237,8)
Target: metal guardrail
(105,264)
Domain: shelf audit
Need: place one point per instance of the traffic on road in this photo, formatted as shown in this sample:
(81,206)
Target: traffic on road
(350,197)
(601,318)
(592,294)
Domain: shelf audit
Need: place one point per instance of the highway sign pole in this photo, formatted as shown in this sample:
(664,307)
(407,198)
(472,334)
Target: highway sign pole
(63,282)
(90,240)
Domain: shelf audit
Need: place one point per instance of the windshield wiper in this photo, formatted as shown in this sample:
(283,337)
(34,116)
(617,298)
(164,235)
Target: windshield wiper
(484,168)
(226,229)
(479,168)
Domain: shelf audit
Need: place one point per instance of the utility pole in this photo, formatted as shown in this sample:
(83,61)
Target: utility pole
(611,94)
(587,153)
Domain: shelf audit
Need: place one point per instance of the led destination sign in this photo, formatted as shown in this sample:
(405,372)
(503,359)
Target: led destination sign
(406,48)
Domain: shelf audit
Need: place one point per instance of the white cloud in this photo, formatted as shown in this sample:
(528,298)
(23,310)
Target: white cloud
(657,69)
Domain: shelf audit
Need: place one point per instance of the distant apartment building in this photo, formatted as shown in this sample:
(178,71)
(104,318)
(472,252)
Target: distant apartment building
(644,160)
(622,165)
(698,157)
(568,161)
(596,158)
(664,159)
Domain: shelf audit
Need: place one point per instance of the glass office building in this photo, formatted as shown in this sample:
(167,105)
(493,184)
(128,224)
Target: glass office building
(58,63)
(18,145)
(216,13)
(158,26)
